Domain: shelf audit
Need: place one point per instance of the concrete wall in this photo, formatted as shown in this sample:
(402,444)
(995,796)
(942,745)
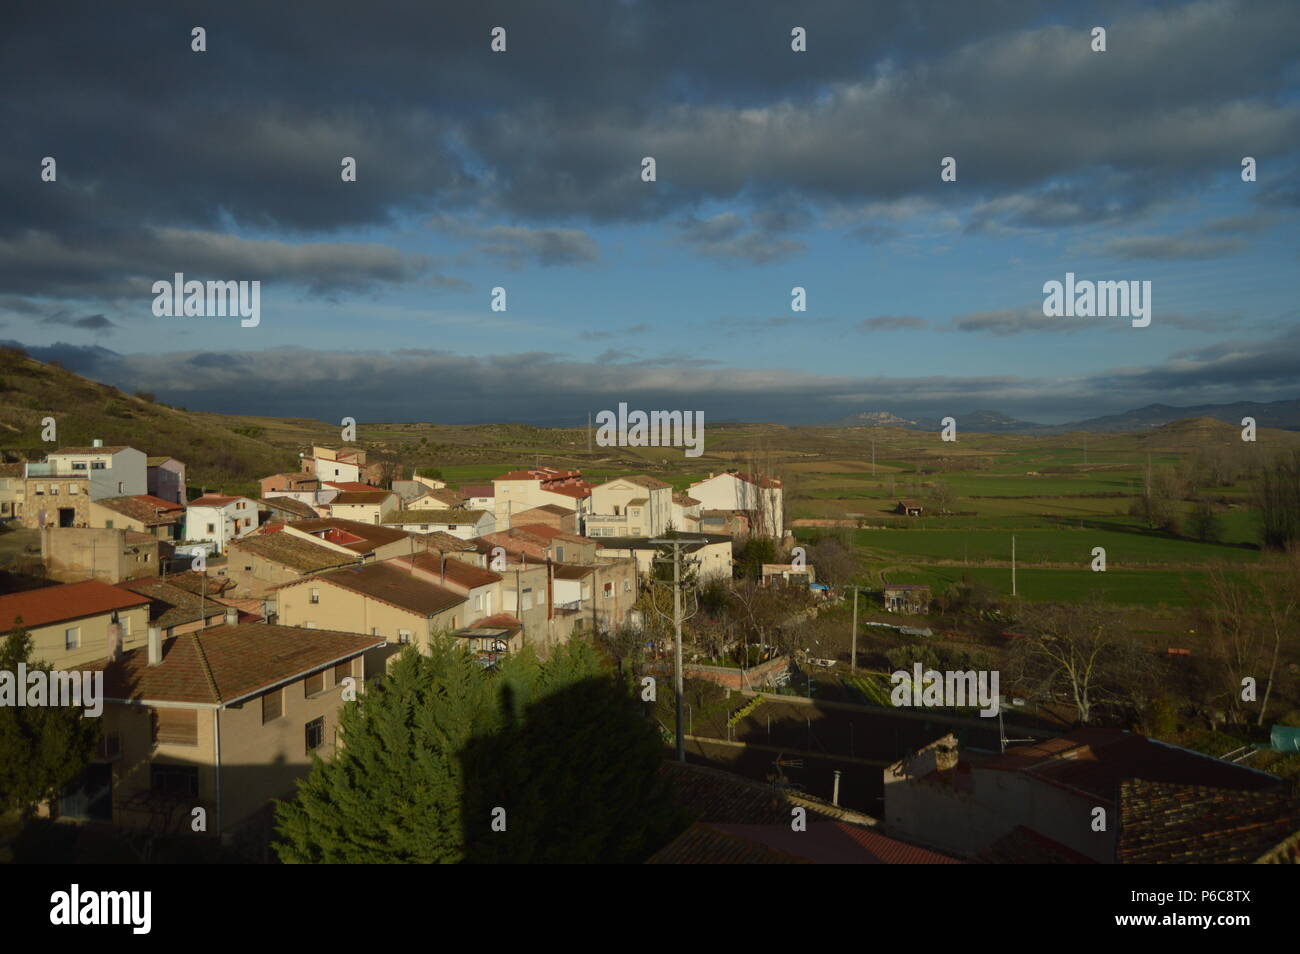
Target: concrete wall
(73,554)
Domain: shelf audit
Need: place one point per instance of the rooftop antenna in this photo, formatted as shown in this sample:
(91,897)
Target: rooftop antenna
(1002,732)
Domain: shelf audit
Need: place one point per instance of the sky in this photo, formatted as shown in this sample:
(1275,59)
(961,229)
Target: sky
(522,170)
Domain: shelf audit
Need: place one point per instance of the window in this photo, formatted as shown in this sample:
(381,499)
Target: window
(478,602)
(342,671)
(272,706)
(315,733)
(54,490)
(403,636)
(110,747)
(178,780)
(627,586)
(72,637)
(126,620)
(78,465)
(313,684)
(72,490)
(310,624)
(212,528)
(609,590)
(315,595)
(97,465)
(528,599)
(108,524)
(559,554)
(121,487)
(248,569)
(176,727)
(374,631)
(40,490)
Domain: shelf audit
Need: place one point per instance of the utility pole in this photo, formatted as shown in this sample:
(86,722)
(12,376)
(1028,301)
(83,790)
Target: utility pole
(1013,566)
(677,543)
(853,651)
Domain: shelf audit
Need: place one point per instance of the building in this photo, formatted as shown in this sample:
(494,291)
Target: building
(377,599)
(538,542)
(260,562)
(364,540)
(287,509)
(165,479)
(564,519)
(522,490)
(363,506)
(77,623)
(58,491)
(219,519)
(225,719)
(910,598)
(435,498)
(761,499)
(481,588)
(464,524)
(492,638)
(175,610)
(787,573)
(711,553)
(633,506)
(480,496)
(13,490)
(72,554)
(974,804)
(289,483)
(686,513)
(725,523)
(346,464)
(143,513)
(909,508)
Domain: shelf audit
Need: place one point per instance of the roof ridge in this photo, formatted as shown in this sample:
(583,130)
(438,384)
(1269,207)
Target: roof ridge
(207,668)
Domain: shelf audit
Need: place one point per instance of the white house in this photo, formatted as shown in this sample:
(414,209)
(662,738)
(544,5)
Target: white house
(686,513)
(462,524)
(762,499)
(219,519)
(109,471)
(522,490)
(636,506)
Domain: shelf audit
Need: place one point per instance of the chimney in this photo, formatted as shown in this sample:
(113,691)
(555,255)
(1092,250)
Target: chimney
(97,442)
(114,640)
(232,616)
(155,645)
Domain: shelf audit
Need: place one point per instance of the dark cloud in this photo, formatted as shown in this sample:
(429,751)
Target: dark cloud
(890,323)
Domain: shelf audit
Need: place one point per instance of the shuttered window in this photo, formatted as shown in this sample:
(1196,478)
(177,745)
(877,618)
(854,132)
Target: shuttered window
(272,706)
(342,671)
(314,683)
(176,726)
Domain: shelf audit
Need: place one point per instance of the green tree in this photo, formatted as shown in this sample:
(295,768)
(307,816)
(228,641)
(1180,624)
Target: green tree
(1204,524)
(431,751)
(43,749)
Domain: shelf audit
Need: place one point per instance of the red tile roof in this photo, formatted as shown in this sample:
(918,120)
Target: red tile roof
(212,500)
(350,486)
(223,664)
(455,571)
(55,604)
(833,843)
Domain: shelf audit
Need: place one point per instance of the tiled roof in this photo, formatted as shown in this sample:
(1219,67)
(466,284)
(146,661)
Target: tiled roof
(709,845)
(820,843)
(289,505)
(443,495)
(449,516)
(145,508)
(390,584)
(568,571)
(172,605)
(498,621)
(372,535)
(1024,846)
(55,604)
(222,664)
(553,509)
(540,473)
(455,571)
(547,532)
(768,482)
(641,480)
(1162,823)
(195,582)
(685,500)
(577,491)
(349,486)
(477,490)
(158,460)
(213,500)
(441,541)
(291,551)
(62,451)
(361,497)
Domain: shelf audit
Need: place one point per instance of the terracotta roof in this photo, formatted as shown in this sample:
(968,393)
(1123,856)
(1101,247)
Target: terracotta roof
(113,449)
(554,509)
(641,480)
(540,473)
(1024,846)
(289,505)
(195,582)
(442,495)
(1162,823)
(456,571)
(55,604)
(497,621)
(768,482)
(477,490)
(568,571)
(349,486)
(450,516)
(391,585)
(213,500)
(360,497)
(145,508)
(291,551)
(547,532)
(171,605)
(576,491)
(821,843)
(685,500)
(223,664)
(372,535)
(703,844)
(441,541)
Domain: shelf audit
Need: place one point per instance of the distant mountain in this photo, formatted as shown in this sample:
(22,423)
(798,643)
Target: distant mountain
(1284,415)
(976,422)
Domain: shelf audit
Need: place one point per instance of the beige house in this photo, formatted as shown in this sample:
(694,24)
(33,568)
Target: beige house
(564,519)
(142,513)
(13,490)
(711,554)
(436,498)
(363,506)
(686,513)
(72,554)
(367,541)
(636,506)
(481,588)
(77,623)
(378,599)
(223,720)
(761,499)
(465,524)
(522,490)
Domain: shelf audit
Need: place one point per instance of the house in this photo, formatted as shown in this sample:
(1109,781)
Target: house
(481,588)
(260,562)
(710,552)
(226,719)
(378,599)
(175,610)
(287,509)
(165,479)
(564,519)
(77,623)
(589,598)
(760,498)
(13,490)
(289,483)
(525,585)
(804,575)
(480,496)
(522,490)
(540,542)
(363,506)
(219,519)
(72,554)
(435,498)
(58,491)
(493,638)
(465,524)
(910,598)
(909,508)
(345,464)
(727,523)
(634,506)
(143,513)
(686,513)
(353,537)
(971,803)
(433,483)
